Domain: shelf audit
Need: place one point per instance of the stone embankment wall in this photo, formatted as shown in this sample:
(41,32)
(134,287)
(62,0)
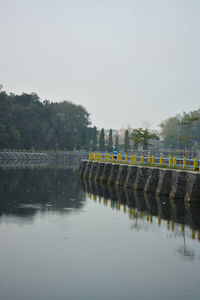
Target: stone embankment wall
(23,156)
(176,184)
(58,157)
(68,156)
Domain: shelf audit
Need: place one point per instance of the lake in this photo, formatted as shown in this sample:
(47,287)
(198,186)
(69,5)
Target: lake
(65,238)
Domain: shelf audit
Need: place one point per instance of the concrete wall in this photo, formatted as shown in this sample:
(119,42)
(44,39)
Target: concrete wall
(59,158)
(175,184)
(23,156)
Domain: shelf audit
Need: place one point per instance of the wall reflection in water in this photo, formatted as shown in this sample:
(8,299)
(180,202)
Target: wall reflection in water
(180,221)
(26,191)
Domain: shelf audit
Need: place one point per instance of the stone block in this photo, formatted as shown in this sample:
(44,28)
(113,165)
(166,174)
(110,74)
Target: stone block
(106,172)
(99,171)
(122,175)
(178,188)
(141,178)
(113,174)
(131,176)
(165,182)
(93,171)
(152,180)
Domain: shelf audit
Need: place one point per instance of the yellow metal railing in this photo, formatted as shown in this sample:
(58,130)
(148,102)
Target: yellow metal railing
(170,162)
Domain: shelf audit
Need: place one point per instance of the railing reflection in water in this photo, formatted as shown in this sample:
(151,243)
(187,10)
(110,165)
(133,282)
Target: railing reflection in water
(151,209)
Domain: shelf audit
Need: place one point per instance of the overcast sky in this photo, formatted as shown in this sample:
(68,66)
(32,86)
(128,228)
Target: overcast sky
(126,61)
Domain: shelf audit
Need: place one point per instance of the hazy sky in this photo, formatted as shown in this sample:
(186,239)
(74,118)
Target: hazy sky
(126,61)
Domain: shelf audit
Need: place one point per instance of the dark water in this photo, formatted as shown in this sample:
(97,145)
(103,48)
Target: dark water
(65,239)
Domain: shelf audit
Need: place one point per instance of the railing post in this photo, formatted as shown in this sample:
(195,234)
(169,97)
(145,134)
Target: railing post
(174,162)
(149,159)
(132,159)
(195,163)
(126,159)
(184,162)
(135,159)
(153,160)
(142,159)
(106,157)
(170,161)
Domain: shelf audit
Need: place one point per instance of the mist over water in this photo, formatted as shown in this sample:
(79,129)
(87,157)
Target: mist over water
(62,238)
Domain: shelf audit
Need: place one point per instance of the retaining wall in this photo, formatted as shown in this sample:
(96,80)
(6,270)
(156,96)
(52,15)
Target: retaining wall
(23,156)
(175,184)
(59,158)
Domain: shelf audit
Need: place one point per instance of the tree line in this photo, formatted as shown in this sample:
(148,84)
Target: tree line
(29,123)
(26,122)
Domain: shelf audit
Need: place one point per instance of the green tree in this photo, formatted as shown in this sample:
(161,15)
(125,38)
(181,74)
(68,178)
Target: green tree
(170,130)
(143,137)
(187,121)
(117,143)
(182,131)
(27,122)
(94,139)
(101,141)
(126,141)
(110,142)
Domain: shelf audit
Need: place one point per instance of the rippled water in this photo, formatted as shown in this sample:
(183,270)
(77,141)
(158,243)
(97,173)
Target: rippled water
(65,239)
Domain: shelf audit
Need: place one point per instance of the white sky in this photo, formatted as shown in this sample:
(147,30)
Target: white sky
(126,61)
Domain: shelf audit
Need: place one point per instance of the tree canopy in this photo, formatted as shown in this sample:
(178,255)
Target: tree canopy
(110,141)
(27,122)
(182,131)
(102,141)
(126,141)
(143,137)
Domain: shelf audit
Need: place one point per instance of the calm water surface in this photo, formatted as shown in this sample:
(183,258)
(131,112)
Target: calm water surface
(65,239)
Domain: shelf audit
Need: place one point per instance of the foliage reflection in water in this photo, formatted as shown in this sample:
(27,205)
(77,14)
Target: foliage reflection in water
(23,192)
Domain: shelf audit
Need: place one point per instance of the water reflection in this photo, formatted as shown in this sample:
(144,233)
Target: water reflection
(180,221)
(24,192)
(58,243)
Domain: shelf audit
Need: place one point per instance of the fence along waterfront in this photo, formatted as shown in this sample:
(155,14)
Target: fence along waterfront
(148,160)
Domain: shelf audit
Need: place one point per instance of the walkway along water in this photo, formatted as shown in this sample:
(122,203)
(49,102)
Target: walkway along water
(178,185)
